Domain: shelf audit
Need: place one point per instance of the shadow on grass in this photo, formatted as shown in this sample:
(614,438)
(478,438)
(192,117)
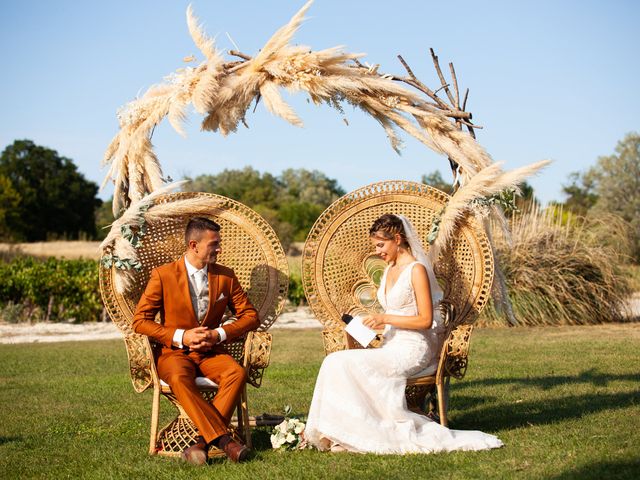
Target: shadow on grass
(537,412)
(4,440)
(599,470)
(260,437)
(546,382)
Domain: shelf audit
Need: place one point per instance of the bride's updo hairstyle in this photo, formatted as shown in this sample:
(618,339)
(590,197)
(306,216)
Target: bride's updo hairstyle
(387,227)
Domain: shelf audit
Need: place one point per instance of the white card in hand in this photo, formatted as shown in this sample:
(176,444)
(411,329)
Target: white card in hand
(362,334)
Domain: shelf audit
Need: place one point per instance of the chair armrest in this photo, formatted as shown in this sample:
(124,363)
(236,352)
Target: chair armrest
(334,339)
(257,353)
(142,366)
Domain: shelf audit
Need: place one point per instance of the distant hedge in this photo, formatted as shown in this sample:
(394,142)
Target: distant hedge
(49,290)
(34,290)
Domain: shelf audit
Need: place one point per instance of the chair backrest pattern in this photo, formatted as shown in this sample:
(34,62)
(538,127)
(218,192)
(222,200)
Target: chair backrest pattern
(249,246)
(337,258)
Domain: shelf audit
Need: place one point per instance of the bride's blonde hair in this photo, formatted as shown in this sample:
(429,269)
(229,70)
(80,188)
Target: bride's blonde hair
(387,227)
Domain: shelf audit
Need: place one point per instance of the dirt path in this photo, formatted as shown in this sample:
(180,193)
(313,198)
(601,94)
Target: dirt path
(301,318)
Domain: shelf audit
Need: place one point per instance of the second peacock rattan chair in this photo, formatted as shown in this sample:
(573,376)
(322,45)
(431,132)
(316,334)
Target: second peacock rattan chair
(252,249)
(341,274)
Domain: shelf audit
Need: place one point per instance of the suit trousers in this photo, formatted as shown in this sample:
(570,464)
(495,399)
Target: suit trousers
(179,369)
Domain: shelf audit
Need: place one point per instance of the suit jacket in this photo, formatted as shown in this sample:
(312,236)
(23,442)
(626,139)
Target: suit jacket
(168,293)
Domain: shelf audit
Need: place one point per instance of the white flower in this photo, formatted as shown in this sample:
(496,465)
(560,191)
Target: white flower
(299,428)
(277,441)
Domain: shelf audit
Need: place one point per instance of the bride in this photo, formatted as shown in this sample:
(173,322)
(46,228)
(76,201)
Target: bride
(359,402)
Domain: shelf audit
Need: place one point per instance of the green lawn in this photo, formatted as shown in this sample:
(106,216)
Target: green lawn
(565,401)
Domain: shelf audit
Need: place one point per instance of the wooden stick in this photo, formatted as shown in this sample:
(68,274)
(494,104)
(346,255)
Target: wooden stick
(419,85)
(436,63)
(455,84)
(464,102)
(236,53)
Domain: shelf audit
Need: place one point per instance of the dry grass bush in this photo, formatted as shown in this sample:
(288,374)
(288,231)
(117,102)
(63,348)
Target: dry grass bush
(563,270)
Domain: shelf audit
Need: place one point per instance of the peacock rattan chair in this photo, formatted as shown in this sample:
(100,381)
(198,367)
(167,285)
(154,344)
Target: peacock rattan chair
(341,274)
(253,250)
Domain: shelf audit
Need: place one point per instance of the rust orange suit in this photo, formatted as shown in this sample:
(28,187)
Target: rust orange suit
(168,293)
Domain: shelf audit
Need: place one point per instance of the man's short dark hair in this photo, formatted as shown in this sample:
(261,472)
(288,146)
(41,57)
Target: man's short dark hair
(196,226)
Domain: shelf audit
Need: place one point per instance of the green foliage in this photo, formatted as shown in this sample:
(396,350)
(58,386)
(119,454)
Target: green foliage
(617,184)
(581,196)
(9,201)
(296,291)
(434,179)
(56,201)
(53,290)
(300,215)
(290,202)
(104,218)
(611,186)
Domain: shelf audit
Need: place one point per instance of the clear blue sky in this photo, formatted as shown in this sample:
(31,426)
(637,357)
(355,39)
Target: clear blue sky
(548,79)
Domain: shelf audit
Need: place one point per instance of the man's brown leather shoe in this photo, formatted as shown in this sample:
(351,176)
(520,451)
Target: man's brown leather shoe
(236,452)
(196,454)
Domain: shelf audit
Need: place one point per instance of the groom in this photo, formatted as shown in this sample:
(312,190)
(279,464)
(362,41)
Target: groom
(191,295)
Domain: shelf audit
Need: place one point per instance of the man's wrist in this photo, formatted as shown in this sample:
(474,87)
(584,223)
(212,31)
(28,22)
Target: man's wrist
(222,335)
(178,338)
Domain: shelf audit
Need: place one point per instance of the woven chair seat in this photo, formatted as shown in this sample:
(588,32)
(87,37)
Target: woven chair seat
(201,382)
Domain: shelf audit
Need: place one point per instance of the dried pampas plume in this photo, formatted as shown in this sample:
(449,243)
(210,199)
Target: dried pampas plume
(489,181)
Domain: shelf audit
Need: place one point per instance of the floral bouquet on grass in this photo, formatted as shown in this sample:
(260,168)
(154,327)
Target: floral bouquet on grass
(289,434)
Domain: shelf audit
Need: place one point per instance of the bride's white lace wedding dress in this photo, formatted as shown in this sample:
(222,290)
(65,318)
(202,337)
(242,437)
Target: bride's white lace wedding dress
(359,402)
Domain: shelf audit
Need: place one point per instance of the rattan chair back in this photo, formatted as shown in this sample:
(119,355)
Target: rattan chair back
(249,246)
(341,273)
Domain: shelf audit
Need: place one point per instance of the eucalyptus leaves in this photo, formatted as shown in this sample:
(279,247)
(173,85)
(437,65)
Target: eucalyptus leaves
(133,233)
(481,206)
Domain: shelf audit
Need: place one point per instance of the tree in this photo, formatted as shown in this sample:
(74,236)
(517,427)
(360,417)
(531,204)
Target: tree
(312,187)
(9,201)
(104,218)
(581,195)
(616,180)
(434,179)
(55,199)
(303,197)
(247,186)
(527,198)
(290,202)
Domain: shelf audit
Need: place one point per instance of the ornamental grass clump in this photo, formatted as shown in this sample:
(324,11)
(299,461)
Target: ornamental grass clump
(563,270)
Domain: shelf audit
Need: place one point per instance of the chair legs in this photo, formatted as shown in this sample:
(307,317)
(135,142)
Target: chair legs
(243,417)
(180,433)
(443,401)
(155,417)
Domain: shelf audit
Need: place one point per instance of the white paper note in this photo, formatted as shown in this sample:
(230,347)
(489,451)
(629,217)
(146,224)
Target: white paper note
(362,334)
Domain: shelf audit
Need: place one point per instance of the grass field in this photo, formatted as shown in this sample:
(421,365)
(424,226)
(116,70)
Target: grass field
(565,401)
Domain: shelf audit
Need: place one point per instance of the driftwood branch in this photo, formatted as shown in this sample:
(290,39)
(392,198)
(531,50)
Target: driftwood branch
(436,64)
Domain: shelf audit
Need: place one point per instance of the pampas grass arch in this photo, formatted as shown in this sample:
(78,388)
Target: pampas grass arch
(222,91)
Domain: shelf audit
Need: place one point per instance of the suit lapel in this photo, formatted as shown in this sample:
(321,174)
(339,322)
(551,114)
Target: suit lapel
(214,288)
(183,288)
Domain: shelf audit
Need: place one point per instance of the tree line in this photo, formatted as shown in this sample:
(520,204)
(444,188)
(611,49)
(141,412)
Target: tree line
(43,196)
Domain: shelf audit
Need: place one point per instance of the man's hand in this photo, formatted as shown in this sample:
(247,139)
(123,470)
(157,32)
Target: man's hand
(200,339)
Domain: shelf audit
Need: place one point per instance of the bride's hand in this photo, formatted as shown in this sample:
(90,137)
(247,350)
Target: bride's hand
(375,321)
